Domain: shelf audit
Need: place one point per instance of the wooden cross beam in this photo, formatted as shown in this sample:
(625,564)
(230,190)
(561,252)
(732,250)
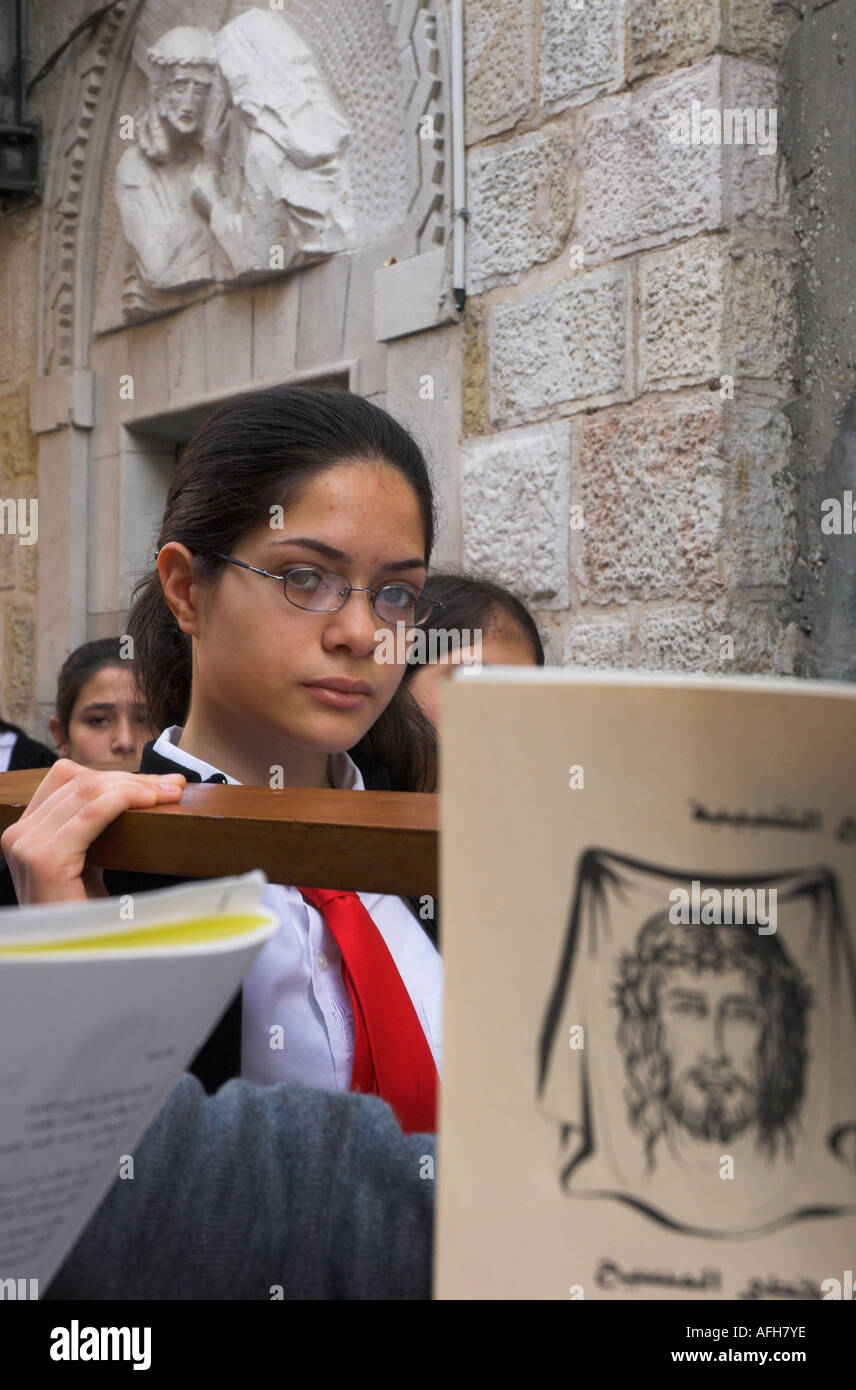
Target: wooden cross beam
(380,842)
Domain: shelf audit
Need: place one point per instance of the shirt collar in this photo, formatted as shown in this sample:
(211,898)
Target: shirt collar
(344,773)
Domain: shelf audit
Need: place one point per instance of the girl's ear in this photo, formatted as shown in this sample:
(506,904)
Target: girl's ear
(175,565)
(59,736)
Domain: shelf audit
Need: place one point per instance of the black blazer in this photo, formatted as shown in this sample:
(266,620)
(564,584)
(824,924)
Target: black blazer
(26,752)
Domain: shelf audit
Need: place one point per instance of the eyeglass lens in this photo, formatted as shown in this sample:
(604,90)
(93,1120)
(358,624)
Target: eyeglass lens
(320,591)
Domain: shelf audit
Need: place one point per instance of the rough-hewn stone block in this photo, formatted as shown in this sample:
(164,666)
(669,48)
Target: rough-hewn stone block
(474,385)
(582,50)
(19,656)
(683,637)
(519,200)
(638,188)
(652,483)
(762,644)
(566,346)
(757,177)
(500,65)
(20,241)
(705,312)
(759,28)
(17,443)
(761,512)
(29,568)
(666,34)
(599,642)
(514,500)
(682,298)
(9,551)
(763,319)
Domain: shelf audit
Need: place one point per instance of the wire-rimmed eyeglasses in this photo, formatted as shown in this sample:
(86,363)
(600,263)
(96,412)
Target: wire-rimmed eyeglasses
(321,591)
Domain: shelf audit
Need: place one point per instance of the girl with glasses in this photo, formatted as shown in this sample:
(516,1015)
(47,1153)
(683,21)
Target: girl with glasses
(297,531)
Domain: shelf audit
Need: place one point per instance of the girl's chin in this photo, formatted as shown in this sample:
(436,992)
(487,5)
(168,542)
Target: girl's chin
(335,735)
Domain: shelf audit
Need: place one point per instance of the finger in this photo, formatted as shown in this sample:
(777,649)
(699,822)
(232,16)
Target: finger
(129,791)
(62,772)
(96,813)
(74,779)
(47,855)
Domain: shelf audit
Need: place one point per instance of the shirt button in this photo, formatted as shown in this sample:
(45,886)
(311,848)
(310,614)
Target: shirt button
(321,961)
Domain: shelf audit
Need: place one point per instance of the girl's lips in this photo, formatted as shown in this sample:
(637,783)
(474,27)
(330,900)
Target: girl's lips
(337,699)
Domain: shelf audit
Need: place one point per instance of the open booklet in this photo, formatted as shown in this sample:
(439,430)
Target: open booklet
(649,902)
(102,1004)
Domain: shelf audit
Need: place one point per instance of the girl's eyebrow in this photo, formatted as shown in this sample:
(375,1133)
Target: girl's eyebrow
(108,705)
(332,554)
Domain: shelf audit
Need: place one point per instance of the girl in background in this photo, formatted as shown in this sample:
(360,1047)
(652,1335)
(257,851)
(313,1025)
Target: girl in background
(492,627)
(100,720)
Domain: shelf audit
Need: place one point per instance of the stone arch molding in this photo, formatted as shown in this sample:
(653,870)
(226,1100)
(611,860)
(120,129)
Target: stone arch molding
(372,78)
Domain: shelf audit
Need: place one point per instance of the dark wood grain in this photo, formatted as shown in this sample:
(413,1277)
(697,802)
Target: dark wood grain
(382,842)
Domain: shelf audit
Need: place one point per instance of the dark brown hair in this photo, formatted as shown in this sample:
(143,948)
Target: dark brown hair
(79,667)
(403,738)
(472,602)
(253,454)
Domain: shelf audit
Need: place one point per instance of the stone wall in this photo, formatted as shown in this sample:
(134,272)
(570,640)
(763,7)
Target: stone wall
(645,403)
(630,335)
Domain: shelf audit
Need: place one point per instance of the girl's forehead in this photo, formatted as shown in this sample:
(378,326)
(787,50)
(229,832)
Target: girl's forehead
(106,681)
(351,506)
(357,482)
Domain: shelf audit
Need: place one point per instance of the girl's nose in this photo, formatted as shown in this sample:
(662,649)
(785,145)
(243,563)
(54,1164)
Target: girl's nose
(123,737)
(354,625)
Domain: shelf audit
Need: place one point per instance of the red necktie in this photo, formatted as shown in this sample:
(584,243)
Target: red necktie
(392,1058)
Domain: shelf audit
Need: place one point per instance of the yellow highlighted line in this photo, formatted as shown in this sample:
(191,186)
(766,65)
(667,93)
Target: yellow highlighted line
(194,930)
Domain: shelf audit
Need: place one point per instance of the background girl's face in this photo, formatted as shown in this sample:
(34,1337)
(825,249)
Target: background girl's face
(108,724)
(503,644)
(261,663)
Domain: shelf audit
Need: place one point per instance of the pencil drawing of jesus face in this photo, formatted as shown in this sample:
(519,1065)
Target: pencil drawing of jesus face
(711,1023)
(713,1028)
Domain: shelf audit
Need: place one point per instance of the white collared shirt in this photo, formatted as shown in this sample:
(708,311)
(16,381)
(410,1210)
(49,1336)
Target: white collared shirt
(295,983)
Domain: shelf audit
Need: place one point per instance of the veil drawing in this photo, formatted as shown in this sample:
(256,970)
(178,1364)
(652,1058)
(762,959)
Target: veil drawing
(702,1071)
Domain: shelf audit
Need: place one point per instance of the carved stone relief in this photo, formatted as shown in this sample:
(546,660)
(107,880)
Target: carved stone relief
(239,161)
(246,174)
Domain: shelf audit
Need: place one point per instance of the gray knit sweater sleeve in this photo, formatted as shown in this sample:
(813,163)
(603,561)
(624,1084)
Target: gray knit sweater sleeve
(253,1190)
